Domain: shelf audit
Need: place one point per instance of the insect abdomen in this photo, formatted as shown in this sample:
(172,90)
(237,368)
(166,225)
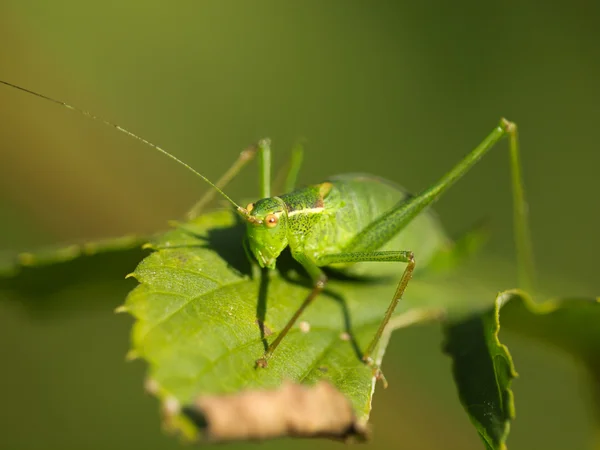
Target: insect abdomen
(355,201)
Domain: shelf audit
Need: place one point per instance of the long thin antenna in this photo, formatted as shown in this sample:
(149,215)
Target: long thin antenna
(129,133)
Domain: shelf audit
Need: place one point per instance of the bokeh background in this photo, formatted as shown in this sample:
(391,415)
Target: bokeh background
(399,89)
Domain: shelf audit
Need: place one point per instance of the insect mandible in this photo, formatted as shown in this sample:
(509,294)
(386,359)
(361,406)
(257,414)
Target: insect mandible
(344,221)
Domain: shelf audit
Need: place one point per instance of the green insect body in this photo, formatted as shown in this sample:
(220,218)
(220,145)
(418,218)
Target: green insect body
(349,221)
(323,219)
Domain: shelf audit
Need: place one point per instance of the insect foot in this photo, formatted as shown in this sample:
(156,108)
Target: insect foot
(508,126)
(262,362)
(377,373)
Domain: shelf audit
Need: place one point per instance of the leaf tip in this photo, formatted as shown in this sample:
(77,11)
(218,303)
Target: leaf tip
(26,259)
(121,309)
(89,248)
(171,406)
(151,386)
(132,355)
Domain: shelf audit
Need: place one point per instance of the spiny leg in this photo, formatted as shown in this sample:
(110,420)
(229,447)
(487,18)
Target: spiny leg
(525,260)
(380,231)
(393,256)
(319,281)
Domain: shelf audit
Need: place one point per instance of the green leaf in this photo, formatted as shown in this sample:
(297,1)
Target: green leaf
(483,371)
(482,366)
(572,325)
(196,313)
(39,280)
(199,307)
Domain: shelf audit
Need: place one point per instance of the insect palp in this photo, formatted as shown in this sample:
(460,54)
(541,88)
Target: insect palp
(245,213)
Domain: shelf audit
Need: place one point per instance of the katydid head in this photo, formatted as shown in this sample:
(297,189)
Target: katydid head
(266,230)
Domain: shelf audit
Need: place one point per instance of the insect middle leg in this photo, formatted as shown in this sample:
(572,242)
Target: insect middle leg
(320,280)
(392,256)
(285,181)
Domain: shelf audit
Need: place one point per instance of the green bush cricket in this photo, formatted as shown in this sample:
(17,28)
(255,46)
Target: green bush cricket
(343,222)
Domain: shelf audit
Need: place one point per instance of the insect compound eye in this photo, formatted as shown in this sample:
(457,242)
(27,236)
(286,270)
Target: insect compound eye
(250,207)
(271,220)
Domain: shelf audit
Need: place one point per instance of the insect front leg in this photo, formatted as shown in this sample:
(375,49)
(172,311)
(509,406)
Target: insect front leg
(245,157)
(393,256)
(263,147)
(319,281)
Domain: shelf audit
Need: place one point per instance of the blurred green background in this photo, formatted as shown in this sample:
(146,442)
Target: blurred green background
(399,89)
